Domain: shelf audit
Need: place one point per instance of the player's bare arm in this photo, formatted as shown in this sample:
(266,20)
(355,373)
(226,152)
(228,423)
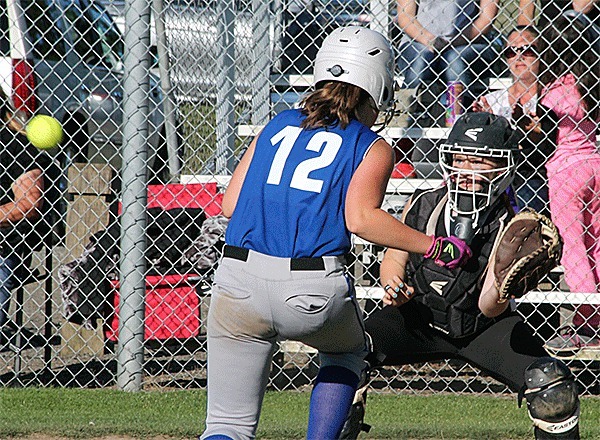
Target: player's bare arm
(393,268)
(364,216)
(392,271)
(232,193)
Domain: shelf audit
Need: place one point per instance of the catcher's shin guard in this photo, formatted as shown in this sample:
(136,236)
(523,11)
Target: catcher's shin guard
(354,423)
(552,399)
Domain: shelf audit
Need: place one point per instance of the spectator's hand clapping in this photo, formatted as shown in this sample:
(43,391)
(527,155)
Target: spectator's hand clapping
(481,105)
(534,124)
(438,45)
(459,40)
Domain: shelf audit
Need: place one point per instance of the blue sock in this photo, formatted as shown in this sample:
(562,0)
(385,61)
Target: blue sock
(217,437)
(330,402)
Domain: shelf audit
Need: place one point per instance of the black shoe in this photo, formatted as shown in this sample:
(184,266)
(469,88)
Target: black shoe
(355,422)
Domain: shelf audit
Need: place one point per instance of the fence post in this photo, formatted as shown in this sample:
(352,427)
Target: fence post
(134,193)
(261,57)
(89,211)
(169,105)
(381,16)
(225,105)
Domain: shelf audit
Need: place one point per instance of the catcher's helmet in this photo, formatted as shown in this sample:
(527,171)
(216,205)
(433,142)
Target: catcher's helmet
(361,57)
(482,135)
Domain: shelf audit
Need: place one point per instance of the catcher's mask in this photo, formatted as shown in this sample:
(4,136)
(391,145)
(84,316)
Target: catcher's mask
(362,57)
(486,136)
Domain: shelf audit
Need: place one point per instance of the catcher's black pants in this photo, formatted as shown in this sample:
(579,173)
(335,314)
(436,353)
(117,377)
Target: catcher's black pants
(504,350)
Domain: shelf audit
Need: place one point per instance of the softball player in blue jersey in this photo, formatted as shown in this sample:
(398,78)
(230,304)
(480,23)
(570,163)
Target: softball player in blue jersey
(313,176)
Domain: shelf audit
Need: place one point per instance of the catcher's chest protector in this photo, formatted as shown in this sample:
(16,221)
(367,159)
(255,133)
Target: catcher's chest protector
(451,295)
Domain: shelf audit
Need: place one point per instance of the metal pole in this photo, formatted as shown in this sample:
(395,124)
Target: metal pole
(169,106)
(381,16)
(262,62)
(278,27)
(130,352)
(225,106)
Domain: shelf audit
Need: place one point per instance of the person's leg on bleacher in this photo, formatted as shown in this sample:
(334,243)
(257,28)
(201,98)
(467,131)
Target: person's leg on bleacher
(416,63)
(7,284)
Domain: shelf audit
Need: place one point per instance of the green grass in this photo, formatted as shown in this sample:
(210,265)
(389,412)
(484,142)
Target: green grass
(80,414)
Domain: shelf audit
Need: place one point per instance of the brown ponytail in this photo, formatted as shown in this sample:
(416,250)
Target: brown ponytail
(333,103)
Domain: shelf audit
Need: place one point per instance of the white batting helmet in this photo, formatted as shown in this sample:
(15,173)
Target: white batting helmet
(361,57)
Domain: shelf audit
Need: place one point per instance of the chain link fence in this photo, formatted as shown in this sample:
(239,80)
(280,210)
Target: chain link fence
(158,100)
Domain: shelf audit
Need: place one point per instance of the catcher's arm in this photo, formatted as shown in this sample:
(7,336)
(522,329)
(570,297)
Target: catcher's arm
(489,299)
(392,271)
(527,249)
(490,302)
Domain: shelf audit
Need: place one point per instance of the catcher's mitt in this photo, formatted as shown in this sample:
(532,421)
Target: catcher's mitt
(529,248)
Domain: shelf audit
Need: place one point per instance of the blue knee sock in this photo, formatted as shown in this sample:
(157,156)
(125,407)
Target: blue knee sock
(217,437)
(330,402)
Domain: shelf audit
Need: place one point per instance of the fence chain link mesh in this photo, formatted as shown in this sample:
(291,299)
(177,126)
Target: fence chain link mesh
(230,66)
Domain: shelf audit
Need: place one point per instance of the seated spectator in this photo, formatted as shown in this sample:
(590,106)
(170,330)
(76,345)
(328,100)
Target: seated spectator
(552,9)
(451,39)
(519,104)
(572,91)
(21,200)
(588,11)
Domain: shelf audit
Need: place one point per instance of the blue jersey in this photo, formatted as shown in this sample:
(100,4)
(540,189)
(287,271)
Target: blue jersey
(292,201)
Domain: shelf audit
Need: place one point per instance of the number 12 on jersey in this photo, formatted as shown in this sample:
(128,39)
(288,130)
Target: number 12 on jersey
(326,143)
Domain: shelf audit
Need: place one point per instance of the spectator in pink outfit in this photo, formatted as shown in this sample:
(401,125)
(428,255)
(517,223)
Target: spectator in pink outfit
(572,92)
(536,124)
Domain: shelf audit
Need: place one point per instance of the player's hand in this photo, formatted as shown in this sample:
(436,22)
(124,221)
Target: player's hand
(397,292)
(449,252)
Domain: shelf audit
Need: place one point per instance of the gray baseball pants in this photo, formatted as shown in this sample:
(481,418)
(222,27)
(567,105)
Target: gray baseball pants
(258,300)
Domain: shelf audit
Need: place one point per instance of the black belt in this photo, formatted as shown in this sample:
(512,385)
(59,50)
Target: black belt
(238,253)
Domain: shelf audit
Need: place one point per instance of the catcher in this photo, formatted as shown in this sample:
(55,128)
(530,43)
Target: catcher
(435,313)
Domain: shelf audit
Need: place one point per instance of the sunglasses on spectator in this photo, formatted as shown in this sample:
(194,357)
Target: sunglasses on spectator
(526,51)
